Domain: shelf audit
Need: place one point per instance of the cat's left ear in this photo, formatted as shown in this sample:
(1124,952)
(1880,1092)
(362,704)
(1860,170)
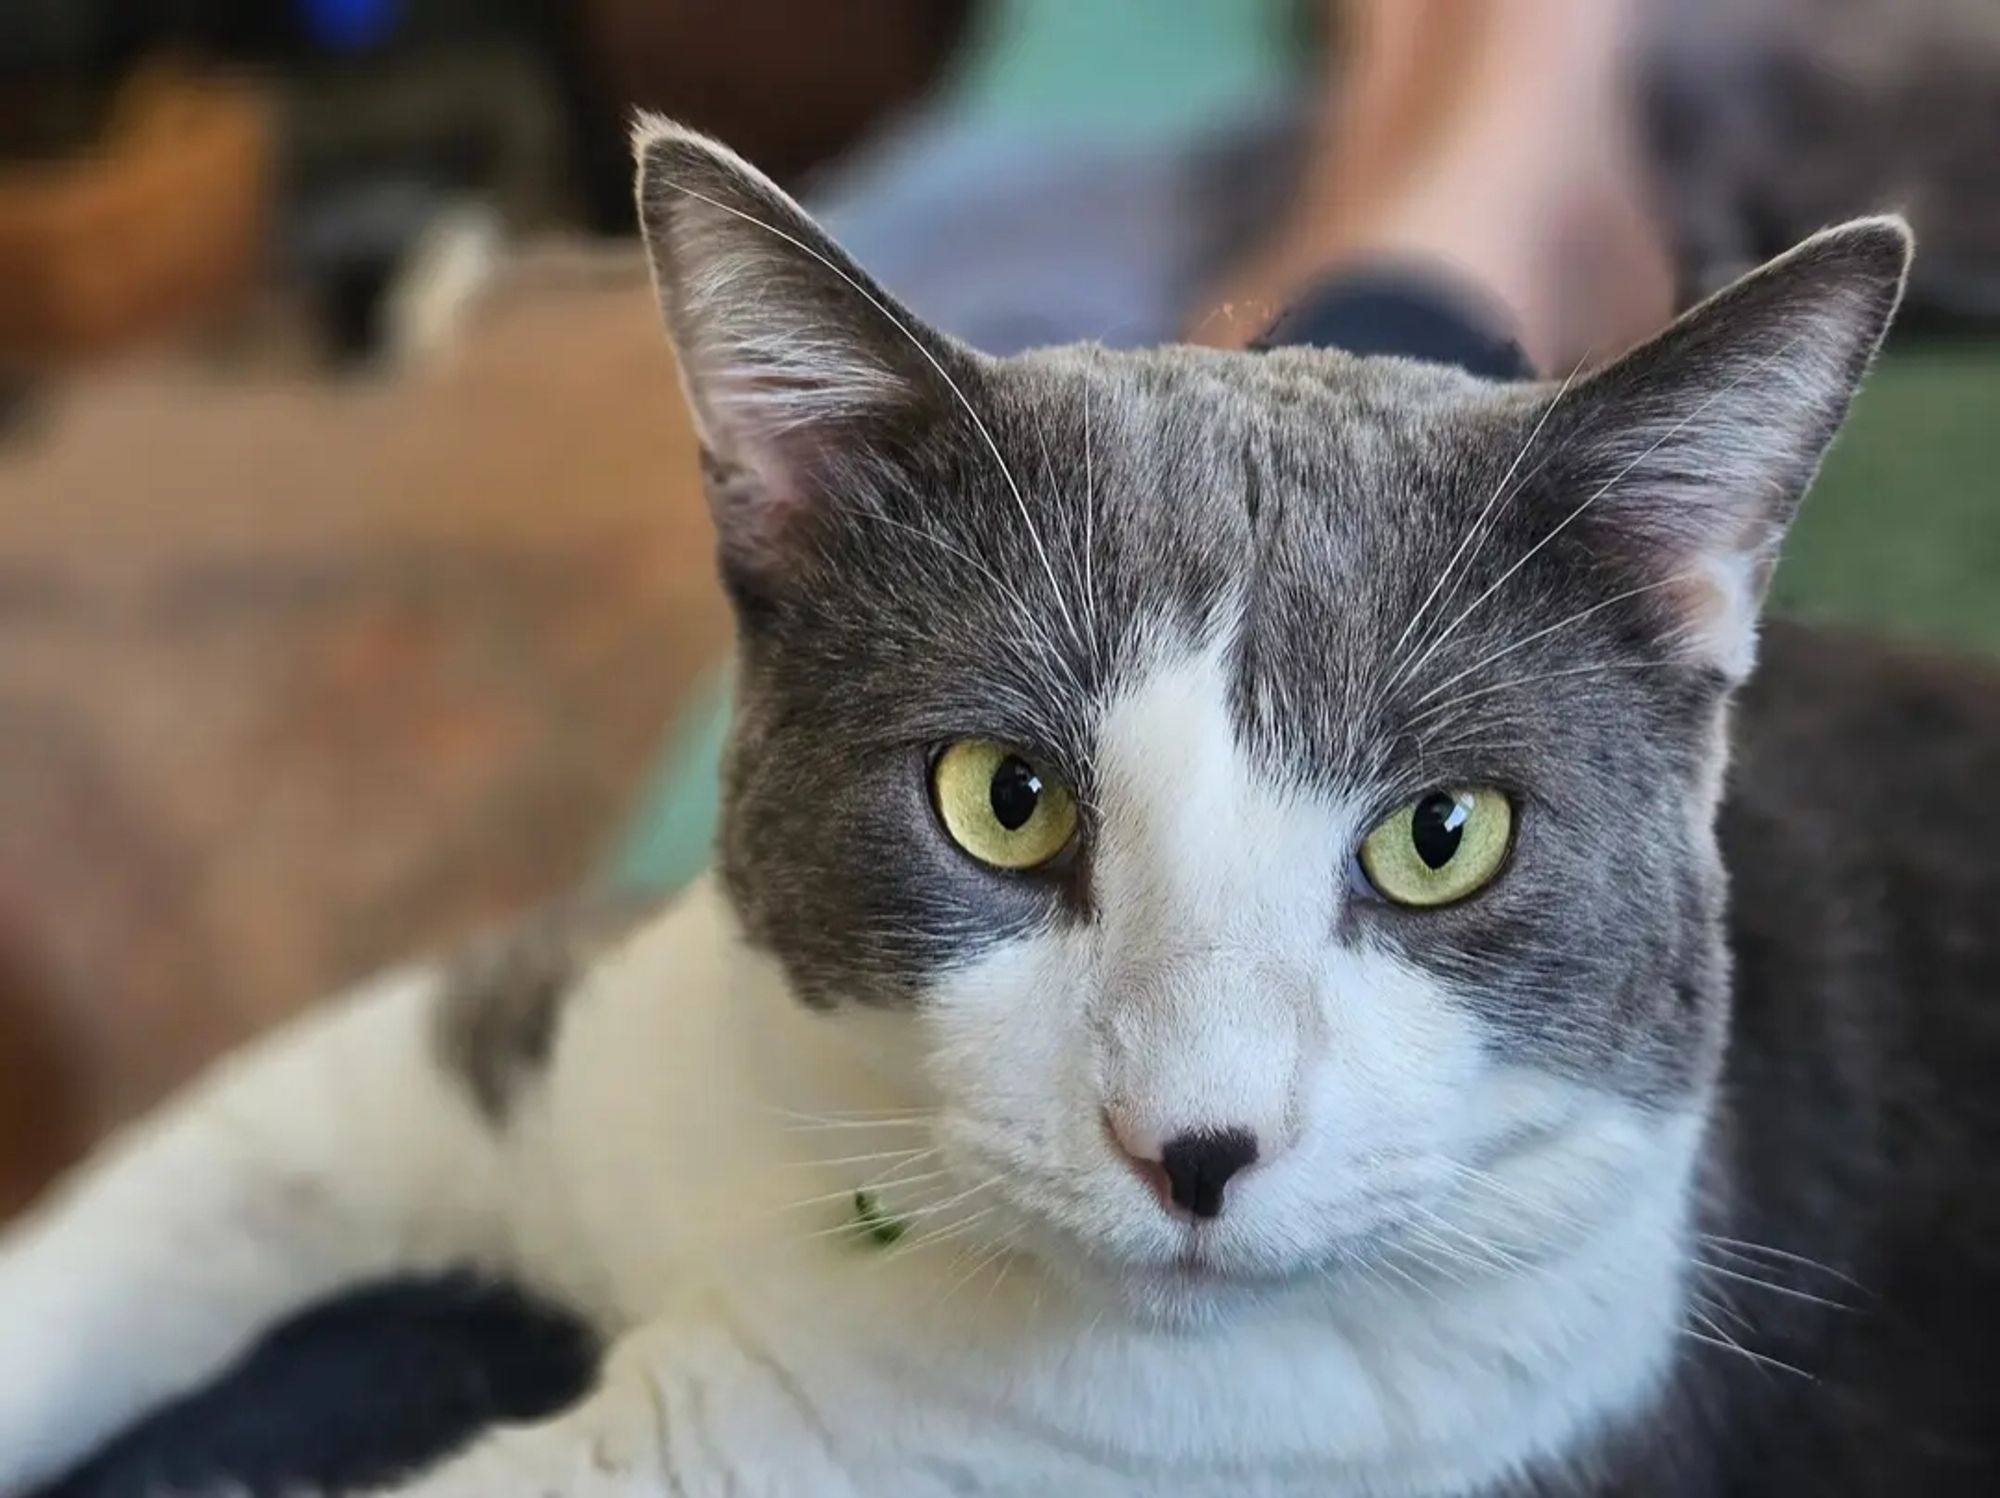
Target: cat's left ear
(798,368)
(1690,454)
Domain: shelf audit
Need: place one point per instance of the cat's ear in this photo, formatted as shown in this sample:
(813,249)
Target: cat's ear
(797,367)
(1691,453)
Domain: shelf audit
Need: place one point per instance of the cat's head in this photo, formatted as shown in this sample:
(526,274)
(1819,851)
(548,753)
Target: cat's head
(1278,789)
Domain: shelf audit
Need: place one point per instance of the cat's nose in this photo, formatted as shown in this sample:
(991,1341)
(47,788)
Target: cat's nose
(1191,1170)
(1199,1166)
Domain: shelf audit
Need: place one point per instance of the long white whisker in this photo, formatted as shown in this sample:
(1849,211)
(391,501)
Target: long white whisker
(1562,525)
(1487,1181)
(1772,1286)
(847,1193)
(1743,1248)
(980,1265)
(806,1125)
(1575,618)
(910,1155)
(1407,1278)
(945,546)
(929,358)
(1600,668)
(1730,1344)
(1491,1255)
(1432,1266)
(1451,1255)
(1030,621)
(936,1236)
(849,1113)
(1712,1298)
(1478,523)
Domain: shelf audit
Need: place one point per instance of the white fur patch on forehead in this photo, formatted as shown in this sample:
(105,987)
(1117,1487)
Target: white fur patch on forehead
(1186,813)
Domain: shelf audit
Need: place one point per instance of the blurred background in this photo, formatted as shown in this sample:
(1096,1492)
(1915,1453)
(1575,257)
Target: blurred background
(354,575)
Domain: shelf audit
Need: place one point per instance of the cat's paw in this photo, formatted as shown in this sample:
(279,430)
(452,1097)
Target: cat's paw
(31,1451)
(38,1428)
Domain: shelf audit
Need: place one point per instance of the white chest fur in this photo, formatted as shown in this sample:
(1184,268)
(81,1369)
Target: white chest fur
(701,1162)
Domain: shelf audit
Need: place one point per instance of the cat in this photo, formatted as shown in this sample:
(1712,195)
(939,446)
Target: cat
(1767,117)
(1241,960)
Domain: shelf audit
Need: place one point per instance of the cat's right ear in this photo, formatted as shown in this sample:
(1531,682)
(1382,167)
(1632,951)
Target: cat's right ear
(799,370)
(1689,455)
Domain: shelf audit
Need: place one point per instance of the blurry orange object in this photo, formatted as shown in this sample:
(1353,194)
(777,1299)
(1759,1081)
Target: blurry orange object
(161,219)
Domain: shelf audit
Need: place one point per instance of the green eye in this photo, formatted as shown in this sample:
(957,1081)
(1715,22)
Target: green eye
(999,807)
(1441,847)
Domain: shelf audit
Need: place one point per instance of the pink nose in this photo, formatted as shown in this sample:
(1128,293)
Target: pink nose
(1190,1171)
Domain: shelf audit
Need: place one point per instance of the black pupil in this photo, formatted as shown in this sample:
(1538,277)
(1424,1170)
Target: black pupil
(1015,793)
(1437,828)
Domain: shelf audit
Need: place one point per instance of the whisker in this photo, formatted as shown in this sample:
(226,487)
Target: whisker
(846,1113)
(847,1193)
(1486,1180)
(917,1214)
(1742,1248)
(1712,1299)
(1609,484)
(944,1234)
(1775,1288)
(1034,636)
(1577,617)
(929,358)
(1434,1266)
(945,546)
(910,1155)
(805,1124)
(1601,668)
(1409,1279)
(1491,1255)
(1473,531)
(1730,1344)
(982,1263)
(1008,1259)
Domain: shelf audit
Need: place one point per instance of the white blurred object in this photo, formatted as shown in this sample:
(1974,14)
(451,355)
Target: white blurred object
(451,263)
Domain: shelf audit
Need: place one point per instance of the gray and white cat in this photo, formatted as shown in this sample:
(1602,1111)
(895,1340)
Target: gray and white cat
(1221,978)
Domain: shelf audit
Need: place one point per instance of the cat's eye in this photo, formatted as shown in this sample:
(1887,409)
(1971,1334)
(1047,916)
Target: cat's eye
(1440,848)
(1000,806)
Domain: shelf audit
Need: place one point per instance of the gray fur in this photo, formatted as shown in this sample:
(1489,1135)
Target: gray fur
(501,997)
(1421,580)
(906,588)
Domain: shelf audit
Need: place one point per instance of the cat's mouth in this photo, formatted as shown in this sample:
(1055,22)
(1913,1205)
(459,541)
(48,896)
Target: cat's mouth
(1193,1269)
(1192,1289)
(1199,1268)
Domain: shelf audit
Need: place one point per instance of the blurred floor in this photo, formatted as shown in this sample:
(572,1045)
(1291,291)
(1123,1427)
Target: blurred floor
(298,679)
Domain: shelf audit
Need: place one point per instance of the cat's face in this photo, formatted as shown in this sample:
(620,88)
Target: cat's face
(1278,790)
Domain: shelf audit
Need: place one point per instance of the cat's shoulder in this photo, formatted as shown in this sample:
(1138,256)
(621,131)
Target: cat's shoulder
(503,995)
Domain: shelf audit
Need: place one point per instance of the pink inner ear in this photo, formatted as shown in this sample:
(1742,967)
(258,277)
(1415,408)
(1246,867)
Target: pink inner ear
(760,504)
(785,429)
(1717,602)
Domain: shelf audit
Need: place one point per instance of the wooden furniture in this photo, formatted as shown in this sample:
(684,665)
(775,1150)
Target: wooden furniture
(161,219)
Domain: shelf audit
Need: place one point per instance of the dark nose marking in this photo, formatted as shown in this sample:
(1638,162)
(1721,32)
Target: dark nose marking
(1198,1166)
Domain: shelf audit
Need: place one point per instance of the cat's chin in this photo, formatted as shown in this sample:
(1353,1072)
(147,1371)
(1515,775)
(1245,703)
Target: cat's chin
(1191,1299)
(1182,1294)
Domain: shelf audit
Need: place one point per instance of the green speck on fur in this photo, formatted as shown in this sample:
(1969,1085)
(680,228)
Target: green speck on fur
(875,1225)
